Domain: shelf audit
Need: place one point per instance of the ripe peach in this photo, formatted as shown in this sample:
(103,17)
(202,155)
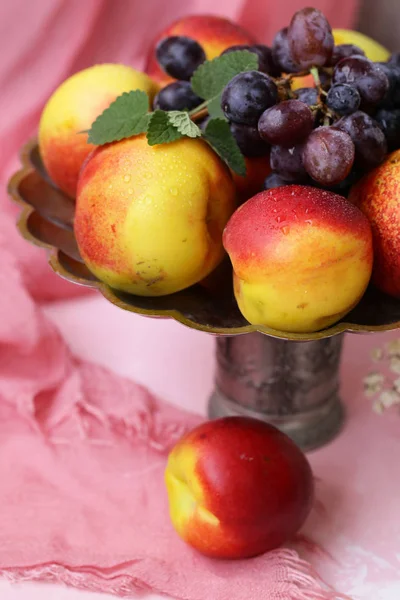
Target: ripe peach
(149,219)
(237,487)
(257,170)
(378,196)
(302,258)
(72,108)
(214,34)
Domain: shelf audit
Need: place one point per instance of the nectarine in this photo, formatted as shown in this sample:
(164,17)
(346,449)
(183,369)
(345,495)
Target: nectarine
(72,108)
(149,219)
(237,487)
(378,196)
(302,258)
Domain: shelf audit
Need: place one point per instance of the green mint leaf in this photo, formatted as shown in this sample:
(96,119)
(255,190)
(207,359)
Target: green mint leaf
(214,108)
(184,124)
(219,136)
(126,116)
(212,76)
(161,130)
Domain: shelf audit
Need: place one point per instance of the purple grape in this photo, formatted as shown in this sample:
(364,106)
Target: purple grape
(274,181)
(180,56)
(249,141)
(328,155)
(282,53)
(368,138)
(288,163)
(345,51)
(247,96)
(307,95)
(177,96)
(343,99)
(395,59)
(366,76)
(392,97)
(389,122)
(310,38)
(286,124)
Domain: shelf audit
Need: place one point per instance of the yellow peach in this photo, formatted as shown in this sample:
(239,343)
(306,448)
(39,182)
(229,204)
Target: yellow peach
(149,219)
(72,108)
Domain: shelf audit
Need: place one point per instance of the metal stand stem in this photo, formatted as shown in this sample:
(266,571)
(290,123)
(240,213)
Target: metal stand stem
(292,385)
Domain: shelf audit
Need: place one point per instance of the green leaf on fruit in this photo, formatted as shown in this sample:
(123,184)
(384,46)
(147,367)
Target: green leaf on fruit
(161,130)
(127,116)
(212,76)
(183,123)
(214,108)
(220,138)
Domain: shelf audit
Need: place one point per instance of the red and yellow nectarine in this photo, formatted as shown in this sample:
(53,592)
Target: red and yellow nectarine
(149,219)
(378,196)
(72,109)
(302,258)
(237,487)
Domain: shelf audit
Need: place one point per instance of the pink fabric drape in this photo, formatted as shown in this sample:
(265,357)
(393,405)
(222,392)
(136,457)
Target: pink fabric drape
(72,435)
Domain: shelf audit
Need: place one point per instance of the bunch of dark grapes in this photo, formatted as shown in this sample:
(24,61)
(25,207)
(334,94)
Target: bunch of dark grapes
(328,135)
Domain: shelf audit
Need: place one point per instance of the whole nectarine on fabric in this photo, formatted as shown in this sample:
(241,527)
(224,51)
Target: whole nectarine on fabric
(302,258)
(214,34)
(149,219)
(72,108)
(237,487)
(378,196)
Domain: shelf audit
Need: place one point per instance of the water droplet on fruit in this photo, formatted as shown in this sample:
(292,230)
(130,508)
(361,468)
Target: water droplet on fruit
(278,219)
(174,191)
(308,221)
(110,186)
(127,178)
(285,230)
(130,191)
(148,199)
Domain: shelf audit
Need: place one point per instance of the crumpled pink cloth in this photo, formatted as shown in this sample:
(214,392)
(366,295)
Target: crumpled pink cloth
(82,451)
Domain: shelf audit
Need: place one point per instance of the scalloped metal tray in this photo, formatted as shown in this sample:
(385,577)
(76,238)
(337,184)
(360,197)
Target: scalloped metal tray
(47,221)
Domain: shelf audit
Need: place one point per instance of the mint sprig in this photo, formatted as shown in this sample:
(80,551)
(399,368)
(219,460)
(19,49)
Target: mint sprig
(129,114)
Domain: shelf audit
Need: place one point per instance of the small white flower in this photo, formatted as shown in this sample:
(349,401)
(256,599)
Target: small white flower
(376,354)
(373,383)
(393,348)
(377,407)
(388,398)
(395,364)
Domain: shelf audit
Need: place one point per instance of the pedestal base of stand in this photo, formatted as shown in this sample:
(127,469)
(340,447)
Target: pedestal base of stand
(292,385)
(308,430)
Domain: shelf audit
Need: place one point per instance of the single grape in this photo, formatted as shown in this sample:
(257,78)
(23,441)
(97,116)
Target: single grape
(282,53)
(343,99)
(288,163)
(345,51)
(307,95)
(274,181)
(249,141)
(246,97)
(177,96)
(389,121)
(395,59)
(392,97)
(328,155)
(368,138)
(366,76)
(264,53)
(310,38)
(180,56)
(286,124)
